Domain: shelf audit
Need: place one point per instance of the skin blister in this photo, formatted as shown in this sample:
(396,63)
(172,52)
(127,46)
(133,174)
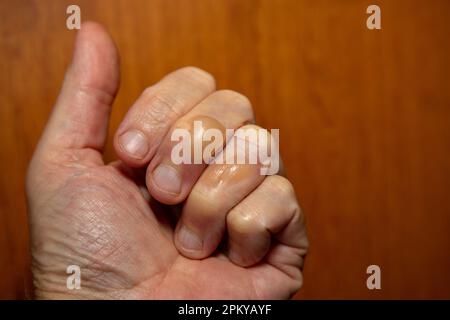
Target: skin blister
(127,245)
(189,145)
(218,190)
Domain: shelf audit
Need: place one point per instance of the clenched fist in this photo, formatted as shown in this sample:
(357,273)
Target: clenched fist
(145,227)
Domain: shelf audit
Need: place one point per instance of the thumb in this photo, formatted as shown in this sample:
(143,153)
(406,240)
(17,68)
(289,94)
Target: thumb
(80,117)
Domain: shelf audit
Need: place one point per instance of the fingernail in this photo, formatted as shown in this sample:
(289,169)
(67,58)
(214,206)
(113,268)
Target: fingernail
(189,240)
(135,143)
(167,178)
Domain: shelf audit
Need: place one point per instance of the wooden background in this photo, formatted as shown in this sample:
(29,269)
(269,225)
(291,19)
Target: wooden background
(363,115)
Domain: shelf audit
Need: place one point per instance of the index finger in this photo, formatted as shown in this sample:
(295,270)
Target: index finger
(148,120)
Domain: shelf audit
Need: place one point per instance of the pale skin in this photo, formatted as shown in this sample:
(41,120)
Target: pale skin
(139,230)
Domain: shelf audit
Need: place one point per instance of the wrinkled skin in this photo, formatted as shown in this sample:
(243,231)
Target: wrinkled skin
(97,217)
(100,217)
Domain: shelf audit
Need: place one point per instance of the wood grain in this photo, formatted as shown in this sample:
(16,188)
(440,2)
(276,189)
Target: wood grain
(363,116)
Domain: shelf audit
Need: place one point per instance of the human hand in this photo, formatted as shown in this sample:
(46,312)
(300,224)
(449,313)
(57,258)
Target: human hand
(141,231)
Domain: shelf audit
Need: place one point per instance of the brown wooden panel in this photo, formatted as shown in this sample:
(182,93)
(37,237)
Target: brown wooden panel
(363,115)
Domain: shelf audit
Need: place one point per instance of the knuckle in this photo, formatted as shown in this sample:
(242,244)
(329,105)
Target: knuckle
(148,92)
(281,187)
(239,221)
(160,109)
(254,127)
(198,76)
(259,136)
(237,101)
